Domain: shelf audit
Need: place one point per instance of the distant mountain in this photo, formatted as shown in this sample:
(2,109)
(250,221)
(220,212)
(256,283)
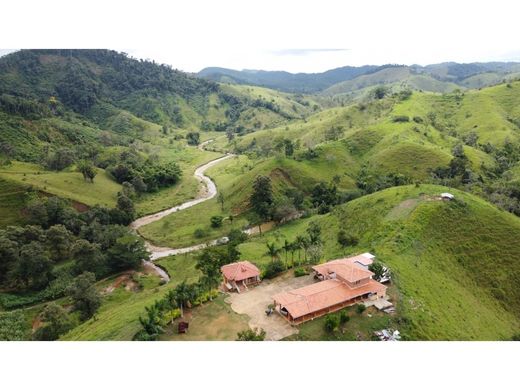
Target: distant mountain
(285,81)
(442,77)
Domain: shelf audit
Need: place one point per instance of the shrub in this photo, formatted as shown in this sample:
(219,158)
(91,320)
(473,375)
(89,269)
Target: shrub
(251,335)
(331,322)
(360,308)
(343,317)
(300,271)
(216,221)
(417,119)
(199,233)
(401,118)
(273,269)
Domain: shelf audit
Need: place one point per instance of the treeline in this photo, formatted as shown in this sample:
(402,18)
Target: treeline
(59,244)
(79,86)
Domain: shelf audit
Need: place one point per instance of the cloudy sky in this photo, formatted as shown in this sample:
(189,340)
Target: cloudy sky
(297,36)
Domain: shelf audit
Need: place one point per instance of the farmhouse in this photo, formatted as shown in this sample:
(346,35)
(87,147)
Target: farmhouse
(238,276)
(343,282)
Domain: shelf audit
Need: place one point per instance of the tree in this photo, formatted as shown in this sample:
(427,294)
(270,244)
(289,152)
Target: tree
(251,335)
(13,326)
(138,184)
(128,252)
(58,240)
(34,266)
(209,264)
(56,322)
(262,197)
(323,194)
(216,221)
(88,170)
(288,147)
(345,239)
(272,251)
(331,322)
(334,133)
(84,295)
(314,232)
(315,251)
(37,212)
(152,324)
(184,293)
(377,268)
(286,248)
(59,159)
(220,199)
(193,138)
(88,257)
(301,243)
(8,257)
(380,92)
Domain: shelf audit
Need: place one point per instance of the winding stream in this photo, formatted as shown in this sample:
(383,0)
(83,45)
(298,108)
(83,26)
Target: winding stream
(208,193)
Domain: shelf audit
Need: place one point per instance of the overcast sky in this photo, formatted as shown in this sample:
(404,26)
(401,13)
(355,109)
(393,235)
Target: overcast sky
(297,36)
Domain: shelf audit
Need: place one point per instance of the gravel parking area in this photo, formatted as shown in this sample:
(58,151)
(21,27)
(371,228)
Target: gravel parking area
(254,303)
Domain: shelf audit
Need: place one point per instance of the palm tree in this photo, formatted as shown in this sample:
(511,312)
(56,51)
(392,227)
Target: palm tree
(272,251)
(286,248)
(293,248)
(151,323)
(300,244)
(184,293)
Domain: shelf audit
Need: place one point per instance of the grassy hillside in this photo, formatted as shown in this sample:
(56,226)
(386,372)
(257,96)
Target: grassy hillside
(12,202)
(455,285)
(68,185)
(396,77)
(234,180)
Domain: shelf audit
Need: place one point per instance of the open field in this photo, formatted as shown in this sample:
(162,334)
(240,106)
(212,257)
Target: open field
(66,184)
(213,320)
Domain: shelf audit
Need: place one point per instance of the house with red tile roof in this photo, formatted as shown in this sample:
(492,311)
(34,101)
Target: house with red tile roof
(343,282)
(239,276)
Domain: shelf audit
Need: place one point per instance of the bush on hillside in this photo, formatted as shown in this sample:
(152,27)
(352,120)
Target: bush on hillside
(401,118)
(216,221)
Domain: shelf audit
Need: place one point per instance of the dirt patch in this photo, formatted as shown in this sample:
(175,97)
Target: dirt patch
(255,301)
(125,281)
(403,209)
(282,175)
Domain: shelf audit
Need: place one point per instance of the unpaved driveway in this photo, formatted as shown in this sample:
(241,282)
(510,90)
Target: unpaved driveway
(254,302)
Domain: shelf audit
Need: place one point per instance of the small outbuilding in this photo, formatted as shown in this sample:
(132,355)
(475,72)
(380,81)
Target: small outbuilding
(239,276)
(447,196)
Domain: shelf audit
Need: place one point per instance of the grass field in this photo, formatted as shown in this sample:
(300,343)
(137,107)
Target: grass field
(188,159)
(213,320)
(66,184)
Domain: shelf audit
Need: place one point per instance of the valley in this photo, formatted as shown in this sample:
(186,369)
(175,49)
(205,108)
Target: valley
(106,161)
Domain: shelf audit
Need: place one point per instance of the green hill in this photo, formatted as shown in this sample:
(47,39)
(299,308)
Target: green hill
(454,263)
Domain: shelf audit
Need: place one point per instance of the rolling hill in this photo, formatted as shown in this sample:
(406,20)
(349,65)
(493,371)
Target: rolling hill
(443,77)
(451,282)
